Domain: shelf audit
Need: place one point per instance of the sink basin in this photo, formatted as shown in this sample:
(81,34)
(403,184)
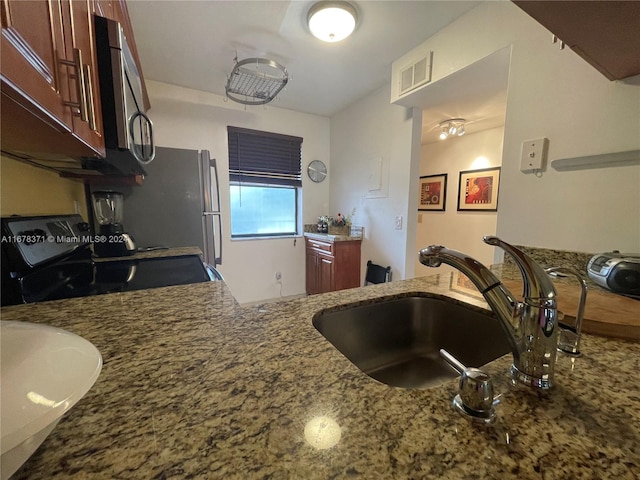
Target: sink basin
(397,341)
(44,371)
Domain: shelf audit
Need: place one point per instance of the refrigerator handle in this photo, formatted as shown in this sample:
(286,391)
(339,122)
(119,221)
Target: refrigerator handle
(206,181)
(214,255)
(214,165)
(218,259)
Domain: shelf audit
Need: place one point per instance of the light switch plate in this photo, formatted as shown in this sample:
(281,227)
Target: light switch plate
(399,222)
(534,155)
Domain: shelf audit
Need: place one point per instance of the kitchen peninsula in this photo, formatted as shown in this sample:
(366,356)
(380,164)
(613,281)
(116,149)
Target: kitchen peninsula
(195,385)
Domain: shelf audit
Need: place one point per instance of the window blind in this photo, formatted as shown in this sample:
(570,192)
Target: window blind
(264,157)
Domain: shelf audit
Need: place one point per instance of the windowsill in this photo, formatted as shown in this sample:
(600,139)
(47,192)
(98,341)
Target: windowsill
(275,237)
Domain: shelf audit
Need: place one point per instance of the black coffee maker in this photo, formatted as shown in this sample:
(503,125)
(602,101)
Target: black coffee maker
(111,240)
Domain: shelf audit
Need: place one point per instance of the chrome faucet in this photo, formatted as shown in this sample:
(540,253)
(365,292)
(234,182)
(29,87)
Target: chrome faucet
(530,324)
(569,337)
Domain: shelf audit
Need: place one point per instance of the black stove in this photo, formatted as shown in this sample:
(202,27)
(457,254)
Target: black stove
(49,258)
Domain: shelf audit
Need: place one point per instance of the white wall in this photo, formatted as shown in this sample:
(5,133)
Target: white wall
(372,128)
(460,231)
(552,93)
(185,118)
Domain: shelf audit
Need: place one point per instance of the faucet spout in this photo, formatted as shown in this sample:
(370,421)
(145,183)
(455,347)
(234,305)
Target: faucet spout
(537,283)
(530,325)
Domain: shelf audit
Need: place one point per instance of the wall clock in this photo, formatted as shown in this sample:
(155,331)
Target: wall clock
(317,171)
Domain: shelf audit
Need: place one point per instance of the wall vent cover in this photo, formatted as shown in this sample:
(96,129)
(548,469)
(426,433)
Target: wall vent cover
(416,74)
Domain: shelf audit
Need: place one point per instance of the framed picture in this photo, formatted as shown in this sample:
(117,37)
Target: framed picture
(478,190)
(433,192)
(460,283)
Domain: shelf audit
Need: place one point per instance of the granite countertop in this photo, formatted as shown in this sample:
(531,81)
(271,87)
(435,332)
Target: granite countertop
(158,252)
(328,237)
(195,385)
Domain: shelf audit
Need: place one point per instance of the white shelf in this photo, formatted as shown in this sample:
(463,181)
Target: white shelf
(617,159)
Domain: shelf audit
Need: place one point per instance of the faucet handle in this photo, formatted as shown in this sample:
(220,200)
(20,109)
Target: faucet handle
(569,341)
(475,397)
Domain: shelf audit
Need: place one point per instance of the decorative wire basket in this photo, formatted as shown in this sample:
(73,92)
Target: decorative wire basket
(256,81)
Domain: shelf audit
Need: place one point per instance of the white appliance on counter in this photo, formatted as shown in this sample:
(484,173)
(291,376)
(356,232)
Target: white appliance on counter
(178,204)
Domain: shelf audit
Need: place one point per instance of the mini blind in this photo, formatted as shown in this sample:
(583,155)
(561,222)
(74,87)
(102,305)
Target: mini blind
(264,157)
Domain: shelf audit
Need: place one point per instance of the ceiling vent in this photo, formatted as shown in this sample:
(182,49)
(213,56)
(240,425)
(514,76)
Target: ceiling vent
(416,74)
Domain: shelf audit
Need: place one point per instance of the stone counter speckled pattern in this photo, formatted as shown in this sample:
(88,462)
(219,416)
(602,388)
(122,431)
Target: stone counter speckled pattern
(327,237)
(158,252)
(196,386)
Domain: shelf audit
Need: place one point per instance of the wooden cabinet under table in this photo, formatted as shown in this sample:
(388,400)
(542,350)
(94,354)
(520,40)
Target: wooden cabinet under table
(332,264)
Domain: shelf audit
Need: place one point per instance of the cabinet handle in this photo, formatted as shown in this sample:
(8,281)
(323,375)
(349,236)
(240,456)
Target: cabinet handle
(86,70)
(325,261)
(555,40)
(81,89)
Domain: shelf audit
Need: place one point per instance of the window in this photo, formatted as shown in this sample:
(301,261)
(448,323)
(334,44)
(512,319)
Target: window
(265,182)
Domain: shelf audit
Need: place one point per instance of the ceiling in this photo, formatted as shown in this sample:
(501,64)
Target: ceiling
(193,44)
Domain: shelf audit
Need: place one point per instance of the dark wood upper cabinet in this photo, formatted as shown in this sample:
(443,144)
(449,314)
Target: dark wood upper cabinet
(48,69)
(83,39)
(49,77)
(32,43)
(604,33)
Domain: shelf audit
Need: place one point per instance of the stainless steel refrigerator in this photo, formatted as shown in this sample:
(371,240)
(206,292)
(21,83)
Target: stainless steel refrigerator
(178,204)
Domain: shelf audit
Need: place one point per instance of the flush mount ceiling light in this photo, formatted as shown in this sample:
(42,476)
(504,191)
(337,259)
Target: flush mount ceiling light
(332,21)
(453,126)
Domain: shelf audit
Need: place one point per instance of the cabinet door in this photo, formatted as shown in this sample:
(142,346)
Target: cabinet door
(83,40)
(49,69)
(311,272)
(347,269)
(325,268)
(605,34)
(32,43)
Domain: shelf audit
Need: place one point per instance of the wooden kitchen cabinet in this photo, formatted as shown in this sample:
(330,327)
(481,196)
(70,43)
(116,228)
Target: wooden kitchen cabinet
(83,38)
(332,265)
(32,41)
(51,105)
(48,78)
(604,33)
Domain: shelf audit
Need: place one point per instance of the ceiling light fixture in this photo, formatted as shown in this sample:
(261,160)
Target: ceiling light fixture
(332,21)
(453,126)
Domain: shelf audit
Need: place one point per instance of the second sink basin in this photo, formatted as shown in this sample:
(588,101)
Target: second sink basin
(397,341)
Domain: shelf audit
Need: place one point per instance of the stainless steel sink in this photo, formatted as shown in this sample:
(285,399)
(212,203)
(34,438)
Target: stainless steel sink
(397,341)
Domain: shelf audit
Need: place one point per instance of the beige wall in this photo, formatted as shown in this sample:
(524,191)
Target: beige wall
(555,94)
(365,132)
(28,190)
(464,230)
(187,118)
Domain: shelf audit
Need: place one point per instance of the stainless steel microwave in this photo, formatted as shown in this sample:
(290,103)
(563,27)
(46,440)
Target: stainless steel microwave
(128,132)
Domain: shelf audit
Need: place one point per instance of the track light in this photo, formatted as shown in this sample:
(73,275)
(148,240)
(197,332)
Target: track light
(453,126)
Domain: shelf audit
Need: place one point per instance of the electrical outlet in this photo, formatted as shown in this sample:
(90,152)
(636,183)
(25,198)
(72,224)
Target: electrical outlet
(278,276)
(399,222)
